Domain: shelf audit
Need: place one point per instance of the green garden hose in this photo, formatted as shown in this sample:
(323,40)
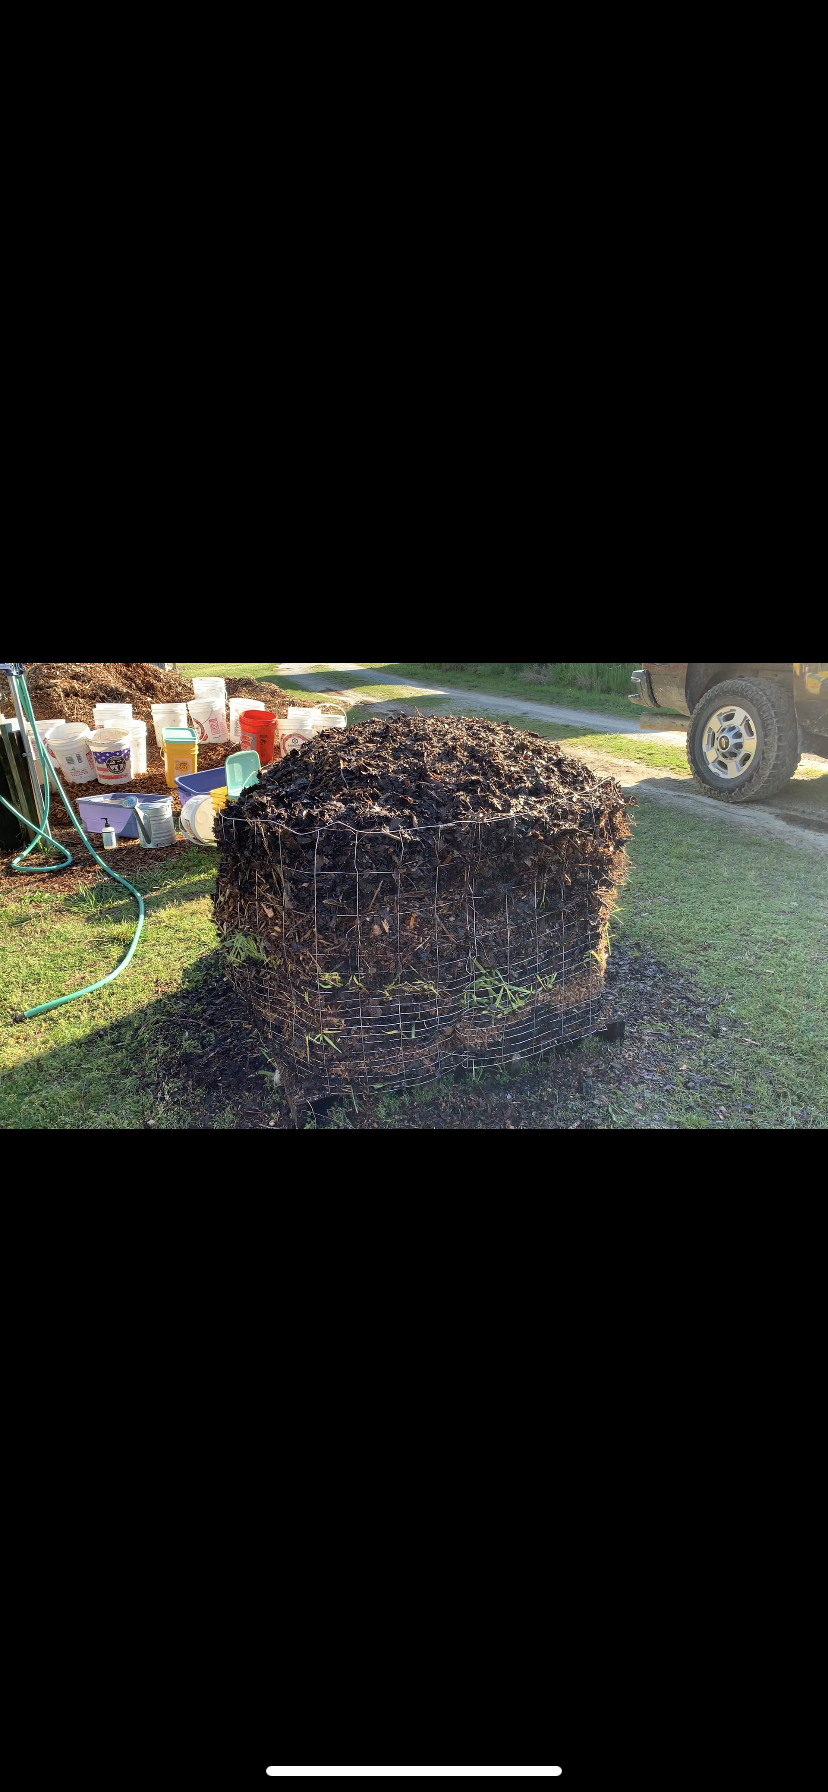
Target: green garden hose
(41,833)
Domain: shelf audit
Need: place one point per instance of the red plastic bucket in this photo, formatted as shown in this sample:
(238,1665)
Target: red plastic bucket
(258,733)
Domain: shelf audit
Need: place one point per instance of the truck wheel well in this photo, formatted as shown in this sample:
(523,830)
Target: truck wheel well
(702,675)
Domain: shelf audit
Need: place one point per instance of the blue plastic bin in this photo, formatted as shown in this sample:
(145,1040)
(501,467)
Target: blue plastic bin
(200,783)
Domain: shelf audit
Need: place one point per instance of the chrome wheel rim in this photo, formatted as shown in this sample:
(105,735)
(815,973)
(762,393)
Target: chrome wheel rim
(729,742)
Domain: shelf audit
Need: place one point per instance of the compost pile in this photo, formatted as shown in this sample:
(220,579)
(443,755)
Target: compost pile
(73,690)
(420,893)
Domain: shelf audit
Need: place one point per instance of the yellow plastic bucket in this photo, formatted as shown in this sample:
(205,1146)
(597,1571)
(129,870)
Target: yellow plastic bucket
(180,754)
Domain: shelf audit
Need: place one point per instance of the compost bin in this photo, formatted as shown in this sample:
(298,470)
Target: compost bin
(418,895)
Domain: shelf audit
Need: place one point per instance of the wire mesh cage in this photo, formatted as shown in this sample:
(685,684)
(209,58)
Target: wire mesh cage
(387,957)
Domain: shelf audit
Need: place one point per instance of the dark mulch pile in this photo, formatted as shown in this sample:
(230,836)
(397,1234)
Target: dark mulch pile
(411,771)
(419,891)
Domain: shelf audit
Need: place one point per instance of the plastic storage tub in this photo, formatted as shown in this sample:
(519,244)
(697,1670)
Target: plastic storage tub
(98,812)
(200,783)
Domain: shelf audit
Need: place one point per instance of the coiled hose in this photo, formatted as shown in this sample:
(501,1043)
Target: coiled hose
(42,834)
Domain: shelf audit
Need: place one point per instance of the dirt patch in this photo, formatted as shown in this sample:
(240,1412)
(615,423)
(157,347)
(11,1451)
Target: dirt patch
(798,827)
(128,858)
(206,1053)
(209,1054)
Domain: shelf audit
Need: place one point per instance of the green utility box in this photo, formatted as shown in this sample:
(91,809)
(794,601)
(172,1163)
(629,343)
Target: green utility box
(16,787)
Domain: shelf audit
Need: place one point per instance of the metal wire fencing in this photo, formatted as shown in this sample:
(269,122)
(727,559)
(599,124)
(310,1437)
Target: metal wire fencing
(388,957)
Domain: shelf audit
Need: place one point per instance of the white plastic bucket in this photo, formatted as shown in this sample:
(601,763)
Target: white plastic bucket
(209,719)
(328,722)
(204,821)
(138,742)
(294,734)
(105,714)
(112,754)
(188,809)
(167,715)
(303,715)
(44,729)
(198,819)
(237,706)
(70,747)
(209,687)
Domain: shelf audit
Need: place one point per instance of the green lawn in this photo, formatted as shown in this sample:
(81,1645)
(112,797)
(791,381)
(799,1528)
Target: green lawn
(503,683)
(84,1065)
(752,917)
(265,670)
(481,678)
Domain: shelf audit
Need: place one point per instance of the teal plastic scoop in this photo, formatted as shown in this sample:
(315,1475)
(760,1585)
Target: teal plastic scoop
(242,769)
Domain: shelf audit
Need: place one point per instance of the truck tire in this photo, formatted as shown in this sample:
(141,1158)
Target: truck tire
(743,740)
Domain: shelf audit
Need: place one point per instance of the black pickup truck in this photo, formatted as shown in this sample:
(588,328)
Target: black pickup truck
(749,722)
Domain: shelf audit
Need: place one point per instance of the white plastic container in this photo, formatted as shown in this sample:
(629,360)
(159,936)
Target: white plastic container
(167,715)
(294,733)
(44,729)
(104,714)
(209,719)
(111,750)
(198,819)
(70,747)
(328,722)
(209,687)
(188,809)
(237,706)
(138,743)
(304,715)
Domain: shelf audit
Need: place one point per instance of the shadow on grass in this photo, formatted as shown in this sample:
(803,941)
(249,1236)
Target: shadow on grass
(805,793)
(189,1060)
(185,878)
